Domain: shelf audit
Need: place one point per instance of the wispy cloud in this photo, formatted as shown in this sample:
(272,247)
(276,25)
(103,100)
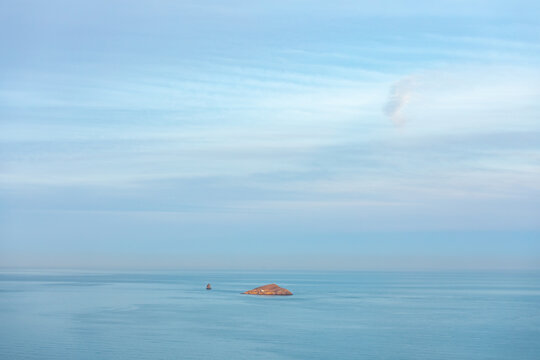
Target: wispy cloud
(400,95)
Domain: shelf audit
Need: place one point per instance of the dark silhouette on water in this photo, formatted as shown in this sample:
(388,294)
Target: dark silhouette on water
(208,287)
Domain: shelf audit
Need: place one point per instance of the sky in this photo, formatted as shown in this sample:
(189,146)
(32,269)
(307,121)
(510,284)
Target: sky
(342,135)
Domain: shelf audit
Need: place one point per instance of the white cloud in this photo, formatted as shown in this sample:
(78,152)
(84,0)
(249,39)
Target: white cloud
(400,95)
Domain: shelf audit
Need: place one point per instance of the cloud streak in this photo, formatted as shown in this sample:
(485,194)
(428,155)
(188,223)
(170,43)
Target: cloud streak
(400,95)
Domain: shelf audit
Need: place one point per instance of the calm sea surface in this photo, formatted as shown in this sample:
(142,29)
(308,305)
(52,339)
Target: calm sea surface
(332,315)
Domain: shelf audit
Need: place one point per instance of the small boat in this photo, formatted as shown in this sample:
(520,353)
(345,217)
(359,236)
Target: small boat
(208,287)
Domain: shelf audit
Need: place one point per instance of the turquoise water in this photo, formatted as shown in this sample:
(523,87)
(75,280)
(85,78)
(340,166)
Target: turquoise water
(333,315)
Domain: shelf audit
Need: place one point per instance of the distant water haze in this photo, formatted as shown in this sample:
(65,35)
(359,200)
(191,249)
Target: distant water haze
(372,251)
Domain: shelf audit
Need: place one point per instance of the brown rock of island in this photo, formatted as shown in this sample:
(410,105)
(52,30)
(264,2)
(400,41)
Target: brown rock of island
(270,289)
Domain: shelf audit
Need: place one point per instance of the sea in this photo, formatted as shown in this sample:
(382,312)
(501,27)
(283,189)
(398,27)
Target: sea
(332,315)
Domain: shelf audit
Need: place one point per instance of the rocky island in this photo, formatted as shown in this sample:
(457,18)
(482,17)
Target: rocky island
(270,289)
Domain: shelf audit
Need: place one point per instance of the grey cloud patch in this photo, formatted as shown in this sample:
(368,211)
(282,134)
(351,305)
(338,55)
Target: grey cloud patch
(399,96)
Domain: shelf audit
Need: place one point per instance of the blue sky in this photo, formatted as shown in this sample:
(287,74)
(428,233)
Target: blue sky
(276,134)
